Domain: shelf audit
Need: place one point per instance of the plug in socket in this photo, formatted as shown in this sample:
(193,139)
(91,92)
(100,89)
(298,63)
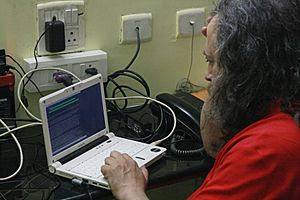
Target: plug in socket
(129,23)
(71,14)
(55,36)
(74,62)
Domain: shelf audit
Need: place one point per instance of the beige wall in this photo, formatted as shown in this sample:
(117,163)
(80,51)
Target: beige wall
(162,61)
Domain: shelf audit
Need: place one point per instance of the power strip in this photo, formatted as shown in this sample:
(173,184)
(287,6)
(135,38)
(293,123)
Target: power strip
(74,62)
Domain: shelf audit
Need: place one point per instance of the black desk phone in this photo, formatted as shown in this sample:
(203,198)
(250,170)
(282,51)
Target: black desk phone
(186,140)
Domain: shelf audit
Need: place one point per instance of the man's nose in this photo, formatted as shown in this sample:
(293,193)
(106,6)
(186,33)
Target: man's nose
(204,31)
(208,77)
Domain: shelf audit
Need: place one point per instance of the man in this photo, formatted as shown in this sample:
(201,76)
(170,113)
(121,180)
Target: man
(247,124)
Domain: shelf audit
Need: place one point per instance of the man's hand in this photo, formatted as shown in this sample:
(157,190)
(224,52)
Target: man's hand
(127,181)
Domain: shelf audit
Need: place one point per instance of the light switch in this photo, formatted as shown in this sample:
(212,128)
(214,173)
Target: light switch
(68,16)
(74,16)
(48,16)
(61,15)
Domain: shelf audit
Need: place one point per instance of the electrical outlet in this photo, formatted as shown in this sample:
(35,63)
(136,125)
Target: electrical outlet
(76,63)
(72,37)
(129,23)
(184,19)
(71,14)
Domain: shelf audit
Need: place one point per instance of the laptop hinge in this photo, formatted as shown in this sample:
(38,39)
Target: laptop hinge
(110,134)
(83,149)
(52,168)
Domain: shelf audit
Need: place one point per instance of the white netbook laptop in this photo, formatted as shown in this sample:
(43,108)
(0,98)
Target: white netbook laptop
(77,137)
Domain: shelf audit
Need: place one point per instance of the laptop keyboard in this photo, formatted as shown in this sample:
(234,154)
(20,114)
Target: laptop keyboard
(90,162)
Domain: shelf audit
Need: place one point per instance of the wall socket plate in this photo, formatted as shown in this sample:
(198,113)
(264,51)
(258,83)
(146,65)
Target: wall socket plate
(76,63)
(183,19)
(69,12)
(128,27)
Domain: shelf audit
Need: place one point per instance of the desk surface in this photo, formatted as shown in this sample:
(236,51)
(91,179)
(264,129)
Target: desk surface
(35,182)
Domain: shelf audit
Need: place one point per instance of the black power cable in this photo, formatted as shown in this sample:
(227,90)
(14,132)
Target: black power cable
(135,76)
(36,60)
(129,74)
(58,184)
(137,49)
(185,84)
(33,83)
(35,54)
(24,99)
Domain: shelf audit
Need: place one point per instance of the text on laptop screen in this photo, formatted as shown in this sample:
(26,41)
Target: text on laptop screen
(75,118)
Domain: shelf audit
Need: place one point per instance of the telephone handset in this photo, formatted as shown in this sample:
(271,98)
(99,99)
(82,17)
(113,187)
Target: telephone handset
(186,140)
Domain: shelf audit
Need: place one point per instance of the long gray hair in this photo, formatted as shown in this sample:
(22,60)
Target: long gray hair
(258,44)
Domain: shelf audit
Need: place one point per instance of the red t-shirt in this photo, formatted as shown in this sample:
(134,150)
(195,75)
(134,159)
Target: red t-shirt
(260,162)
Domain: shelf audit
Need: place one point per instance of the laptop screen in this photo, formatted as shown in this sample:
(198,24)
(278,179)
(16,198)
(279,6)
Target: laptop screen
(75,118)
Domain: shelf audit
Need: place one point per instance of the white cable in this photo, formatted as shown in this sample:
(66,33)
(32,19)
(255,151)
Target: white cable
(9,131)
(20,127)
(25,76)
(159,102)
(20,150)
(21,159)
(5,126)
